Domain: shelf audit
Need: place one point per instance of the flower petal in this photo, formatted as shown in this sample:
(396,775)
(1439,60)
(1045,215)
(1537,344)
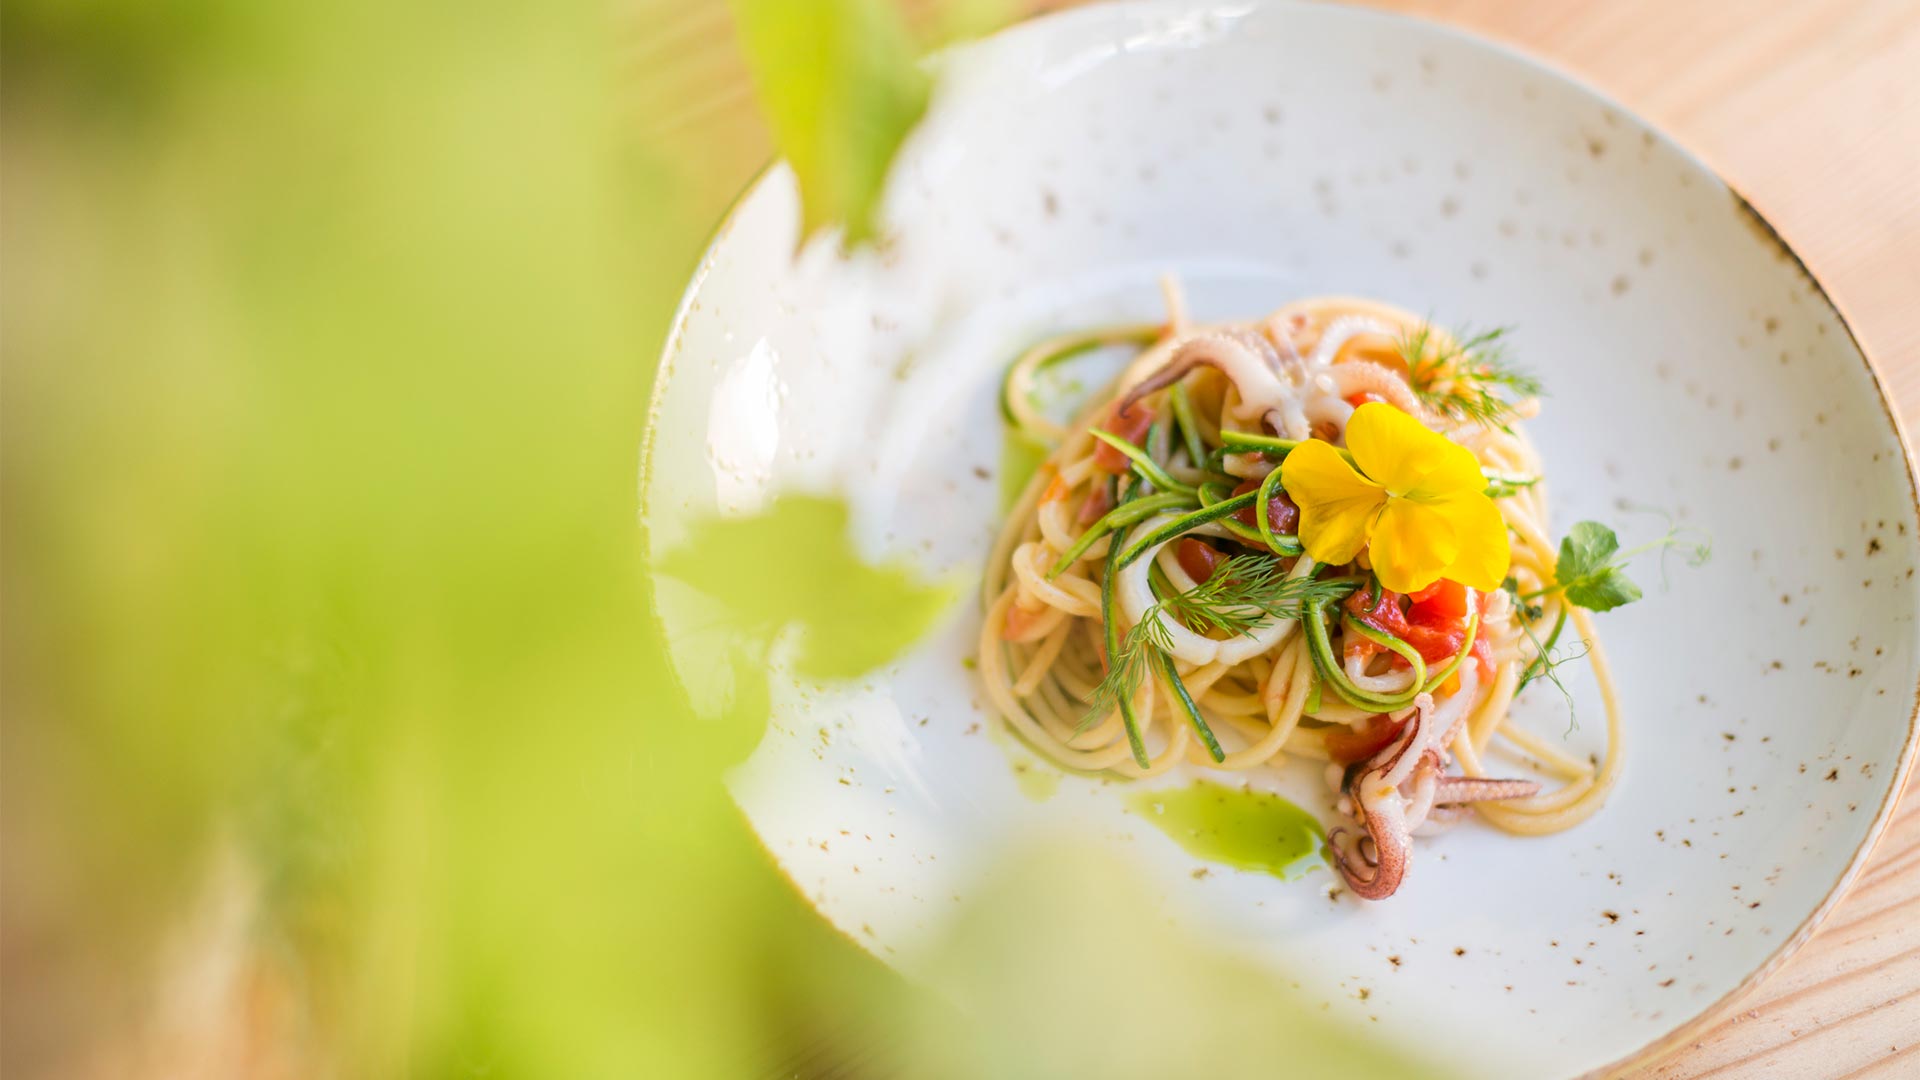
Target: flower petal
(1337,504)
(1485,549)
(1406,457)
(1412,545)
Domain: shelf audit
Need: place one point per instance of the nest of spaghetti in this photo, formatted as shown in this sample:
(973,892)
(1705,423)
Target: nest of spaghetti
(1323,534)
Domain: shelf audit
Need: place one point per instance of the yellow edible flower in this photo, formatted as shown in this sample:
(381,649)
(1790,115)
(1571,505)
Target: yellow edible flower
(1417,502)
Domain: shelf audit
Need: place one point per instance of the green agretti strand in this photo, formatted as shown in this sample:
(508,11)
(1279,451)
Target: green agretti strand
(1184,523)
(1126,514)
(1160,439)
(1149,468)
(1189,431)
(1112,625)
(1162,587)
(1172,676)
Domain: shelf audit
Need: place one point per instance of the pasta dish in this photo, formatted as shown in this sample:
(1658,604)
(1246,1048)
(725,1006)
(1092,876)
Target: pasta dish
(1322,534)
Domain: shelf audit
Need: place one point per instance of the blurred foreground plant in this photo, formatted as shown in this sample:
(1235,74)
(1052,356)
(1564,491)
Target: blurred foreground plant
(336,737)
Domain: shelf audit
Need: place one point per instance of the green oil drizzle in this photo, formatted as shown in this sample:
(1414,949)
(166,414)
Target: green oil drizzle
(1037,780)
(1248,830)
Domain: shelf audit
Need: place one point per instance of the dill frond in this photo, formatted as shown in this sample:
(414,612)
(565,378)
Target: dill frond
(1245,591)
(1474,379)
(1127,667)
(1242,593)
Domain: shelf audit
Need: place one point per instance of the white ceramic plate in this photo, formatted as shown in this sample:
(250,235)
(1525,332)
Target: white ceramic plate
(1271,152)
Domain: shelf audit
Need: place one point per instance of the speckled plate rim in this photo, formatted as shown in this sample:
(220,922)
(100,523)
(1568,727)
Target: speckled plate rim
(1666,1045)
(1659,1048)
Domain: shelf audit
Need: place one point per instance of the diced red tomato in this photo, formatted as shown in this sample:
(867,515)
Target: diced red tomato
(1197,557)
(1347,746)
(1282,512)
(1364,396)
(1381,614)
(1441,602)
(1099,501)
(1434,623)
(1131,425)
(1436,644)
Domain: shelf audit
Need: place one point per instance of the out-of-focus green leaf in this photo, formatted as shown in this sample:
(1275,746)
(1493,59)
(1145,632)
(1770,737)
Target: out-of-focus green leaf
(322,328)
(793,565)
(840,82)
(1214,1014)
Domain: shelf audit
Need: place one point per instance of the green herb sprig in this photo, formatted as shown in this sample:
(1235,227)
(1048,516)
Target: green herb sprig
(1243,592)
(1246,591)
(1590,573)
(1473,379)
(1591,570)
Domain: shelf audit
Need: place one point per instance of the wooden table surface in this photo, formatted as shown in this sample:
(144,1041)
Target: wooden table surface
(1811,108)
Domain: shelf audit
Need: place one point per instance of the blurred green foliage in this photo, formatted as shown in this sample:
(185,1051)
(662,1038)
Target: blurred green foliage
(852,617)
(327,334)
(788,570)
(1073,968)
(839,81)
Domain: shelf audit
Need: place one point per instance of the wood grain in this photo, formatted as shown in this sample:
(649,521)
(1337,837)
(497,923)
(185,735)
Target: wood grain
(1811,108)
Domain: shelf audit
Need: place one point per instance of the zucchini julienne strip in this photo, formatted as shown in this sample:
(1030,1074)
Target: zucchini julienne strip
(1334,675)
(1124,514)
(1213,491)
(1500,485)
(1172,676)
(1393,645)
(1184,523)
(1242,442)
(1466,645)
(1263,517)
(1142,461)
(1210,494)
(1054,350)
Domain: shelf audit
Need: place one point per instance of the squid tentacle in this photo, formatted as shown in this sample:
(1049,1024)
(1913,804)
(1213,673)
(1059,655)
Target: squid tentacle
(1455,790)
(1386,825)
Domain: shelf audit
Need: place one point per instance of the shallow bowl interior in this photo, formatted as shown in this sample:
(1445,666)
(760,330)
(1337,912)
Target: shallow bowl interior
(1266,153)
